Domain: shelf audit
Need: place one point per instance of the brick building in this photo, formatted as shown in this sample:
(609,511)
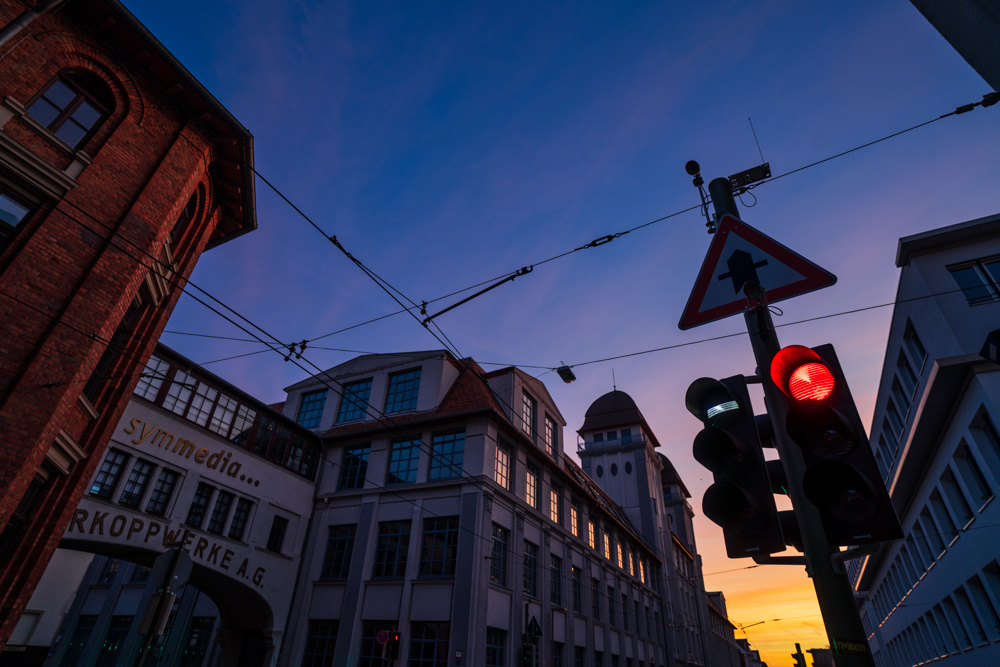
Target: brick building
(117,170)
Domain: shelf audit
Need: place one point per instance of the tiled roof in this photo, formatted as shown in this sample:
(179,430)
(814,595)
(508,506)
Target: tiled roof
(467,394)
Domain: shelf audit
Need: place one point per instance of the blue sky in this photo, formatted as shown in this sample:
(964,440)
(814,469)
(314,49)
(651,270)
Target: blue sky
(448,143)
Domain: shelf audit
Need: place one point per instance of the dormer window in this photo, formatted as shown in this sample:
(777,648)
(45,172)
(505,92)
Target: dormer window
(402,393)
(73,106)
(529,412)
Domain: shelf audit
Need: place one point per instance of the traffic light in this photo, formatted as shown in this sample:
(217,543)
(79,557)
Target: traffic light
(392,645)
(740,500)
(841,479)
(529,654)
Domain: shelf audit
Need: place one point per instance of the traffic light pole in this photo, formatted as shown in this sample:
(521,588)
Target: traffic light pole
(834,593)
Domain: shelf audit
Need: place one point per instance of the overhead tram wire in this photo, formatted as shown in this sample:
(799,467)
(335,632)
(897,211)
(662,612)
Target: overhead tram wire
(988,100)
(379,416)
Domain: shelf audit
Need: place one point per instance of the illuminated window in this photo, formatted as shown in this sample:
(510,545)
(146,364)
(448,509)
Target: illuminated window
(501,471)
(529,410)
(590,535)
(607,546)
(531,485)
(574,517)
(621,560)
(550,436)
(555,505)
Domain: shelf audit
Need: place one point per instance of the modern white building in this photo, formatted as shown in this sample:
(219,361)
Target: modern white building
(935,595)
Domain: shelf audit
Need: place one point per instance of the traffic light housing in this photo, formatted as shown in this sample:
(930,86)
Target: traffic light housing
(841,477)
(740,501)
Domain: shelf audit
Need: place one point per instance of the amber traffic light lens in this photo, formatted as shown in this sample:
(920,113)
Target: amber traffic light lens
(811,382)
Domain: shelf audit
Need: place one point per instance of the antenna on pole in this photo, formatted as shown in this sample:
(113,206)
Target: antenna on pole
(614,385)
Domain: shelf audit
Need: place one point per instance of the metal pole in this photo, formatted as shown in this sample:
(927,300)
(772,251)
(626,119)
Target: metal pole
(833,589)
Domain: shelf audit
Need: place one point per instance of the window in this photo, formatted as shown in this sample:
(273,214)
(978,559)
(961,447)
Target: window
(403,460)
(550,436)
(529,411)
(216,522)
(439,550)
(201,404)
(339,545)
(612,619)
(354,400)
(913,344)
(596,590)
(135,486)
(579,656)
(577,589)
(555,504)
(447,453)
(892,417)
(390,549)
(429,644)
(621,560)
(179,393)
(402,393)
(972,475)
(238,526)
(498,555)
(107,477)
(574,518)
(642,570)
(631,563)
(152,379)
(496,646)
(140,574)
(222,416)
(502,469)
(905,374)
(988,441)
(112,353)
(113,641)
(557,654)
(555,580)
(197,642)
(530,585)
(531,485)
(607,545)
(978,280)
(354,467)
(940,511)
(626,440)
(371,650)
(590,535)
(311,408)
(956,499)
(276,538)
(902,399)
(73,106)
(625,626)
(199,504)
(13,211)
(109,571)
(162,492)
(320,643)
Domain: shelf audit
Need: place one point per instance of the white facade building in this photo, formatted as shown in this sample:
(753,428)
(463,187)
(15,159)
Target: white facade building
(936,593)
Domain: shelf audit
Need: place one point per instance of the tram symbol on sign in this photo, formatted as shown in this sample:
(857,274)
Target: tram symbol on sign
(740,254)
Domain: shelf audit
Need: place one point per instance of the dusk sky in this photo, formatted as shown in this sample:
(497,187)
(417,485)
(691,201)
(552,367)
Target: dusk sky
(446,144)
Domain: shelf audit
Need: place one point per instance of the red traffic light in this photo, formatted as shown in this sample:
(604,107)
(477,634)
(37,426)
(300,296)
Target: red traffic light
(800,373)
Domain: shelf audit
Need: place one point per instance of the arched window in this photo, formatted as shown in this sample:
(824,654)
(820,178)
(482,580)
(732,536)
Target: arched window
(73,106)
(186,216)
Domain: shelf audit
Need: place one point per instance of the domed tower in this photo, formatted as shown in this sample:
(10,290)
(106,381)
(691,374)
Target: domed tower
(617,450)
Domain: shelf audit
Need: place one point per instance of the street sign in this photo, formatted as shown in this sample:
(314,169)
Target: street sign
(382,636)
(740,254)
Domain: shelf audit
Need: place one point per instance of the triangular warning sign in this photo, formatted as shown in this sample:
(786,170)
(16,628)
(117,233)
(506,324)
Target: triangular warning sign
(740,254)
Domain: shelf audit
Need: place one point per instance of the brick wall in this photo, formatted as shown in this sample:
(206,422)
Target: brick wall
(77,264)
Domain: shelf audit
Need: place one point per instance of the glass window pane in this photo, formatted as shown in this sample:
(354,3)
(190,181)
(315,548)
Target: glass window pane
(44,111)
(71,132)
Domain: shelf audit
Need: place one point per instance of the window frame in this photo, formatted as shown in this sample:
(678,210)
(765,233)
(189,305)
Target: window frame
(311,407)
(354,467)
(392,544)
(82,83)
(336,564)
(109,474)
(402,391)
(352,407)
(439,559)
(447,455)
